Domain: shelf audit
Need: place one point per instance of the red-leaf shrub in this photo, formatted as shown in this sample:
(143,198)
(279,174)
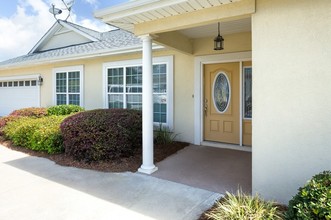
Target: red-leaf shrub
(24,112)
(30,112)
(102,134)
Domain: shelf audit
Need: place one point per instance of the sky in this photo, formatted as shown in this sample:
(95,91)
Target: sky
(24,22)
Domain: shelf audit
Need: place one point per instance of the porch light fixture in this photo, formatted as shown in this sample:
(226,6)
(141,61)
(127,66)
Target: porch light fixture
(219,40)
(40,80)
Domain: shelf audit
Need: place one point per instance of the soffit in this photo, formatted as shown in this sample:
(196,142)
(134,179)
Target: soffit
(125,16)
(228,27)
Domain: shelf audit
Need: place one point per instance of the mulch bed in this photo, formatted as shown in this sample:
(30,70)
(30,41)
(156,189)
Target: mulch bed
(120,165)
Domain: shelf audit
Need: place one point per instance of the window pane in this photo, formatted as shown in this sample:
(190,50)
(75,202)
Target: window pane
(10,84)
(160,108)
(159,78)
(33,83)
(115,101)
(74,99)
(134,79)
(248,92)
(134,102)
(73,82)
(61,99)
(21,83)
(221,92)
(115,80)
(61,82)
(0,84)
(4,84)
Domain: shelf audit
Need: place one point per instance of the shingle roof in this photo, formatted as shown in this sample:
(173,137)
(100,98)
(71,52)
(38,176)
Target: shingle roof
(108,41)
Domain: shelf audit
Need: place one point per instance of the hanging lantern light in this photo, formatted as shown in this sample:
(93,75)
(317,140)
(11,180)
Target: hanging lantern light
(219,40)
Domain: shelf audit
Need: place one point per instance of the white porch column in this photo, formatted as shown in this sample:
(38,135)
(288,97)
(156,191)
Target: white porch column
(148,166)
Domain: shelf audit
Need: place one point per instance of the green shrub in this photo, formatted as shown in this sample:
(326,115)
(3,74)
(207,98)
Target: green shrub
(102,134)
(64,109)
(163,135)
(243,207)
(39,134)
(24,112)
(5,120)
(313,201)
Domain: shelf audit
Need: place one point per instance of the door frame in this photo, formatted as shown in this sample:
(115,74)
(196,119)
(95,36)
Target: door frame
(198,88)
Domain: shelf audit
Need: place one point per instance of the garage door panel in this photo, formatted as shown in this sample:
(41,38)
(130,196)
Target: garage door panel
(12,98)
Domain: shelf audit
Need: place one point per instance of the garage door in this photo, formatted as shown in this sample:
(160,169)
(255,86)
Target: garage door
(18,92)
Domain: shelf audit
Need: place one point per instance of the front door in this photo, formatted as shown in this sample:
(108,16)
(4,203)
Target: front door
(221,102)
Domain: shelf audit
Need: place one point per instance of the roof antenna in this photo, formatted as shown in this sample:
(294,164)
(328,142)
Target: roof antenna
(56,11)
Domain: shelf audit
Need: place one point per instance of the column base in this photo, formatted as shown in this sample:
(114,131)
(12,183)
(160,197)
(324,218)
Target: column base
(147,170)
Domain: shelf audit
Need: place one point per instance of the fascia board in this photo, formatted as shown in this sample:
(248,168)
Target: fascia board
(78,57)
(133,8)
(78,31)
(46,37)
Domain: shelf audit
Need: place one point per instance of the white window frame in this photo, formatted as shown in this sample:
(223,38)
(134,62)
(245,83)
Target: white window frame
(80,69)
(168,60)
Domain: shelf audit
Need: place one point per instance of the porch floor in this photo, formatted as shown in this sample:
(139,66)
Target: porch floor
(214,169)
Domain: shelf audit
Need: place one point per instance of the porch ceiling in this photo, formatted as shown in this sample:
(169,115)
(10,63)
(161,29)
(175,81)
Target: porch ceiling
(126,15)
(228,27)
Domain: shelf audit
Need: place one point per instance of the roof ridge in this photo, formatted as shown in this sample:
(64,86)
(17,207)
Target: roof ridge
(91,32)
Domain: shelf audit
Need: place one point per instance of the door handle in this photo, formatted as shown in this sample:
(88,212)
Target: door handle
(205,106)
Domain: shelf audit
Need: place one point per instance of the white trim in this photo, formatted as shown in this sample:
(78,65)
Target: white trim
(74,29)
(226,146)
(67,69)
(198,85)
(105,52)
(138,62)
(133,8)
(241,105)
(213,92)
(5,78)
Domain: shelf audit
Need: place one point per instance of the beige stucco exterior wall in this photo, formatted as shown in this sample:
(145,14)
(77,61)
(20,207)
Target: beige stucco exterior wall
(291,116)
(183,79)
(239,42)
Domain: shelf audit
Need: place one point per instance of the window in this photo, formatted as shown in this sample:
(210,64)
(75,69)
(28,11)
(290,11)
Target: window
(247,92)
(68,84)
(124,87)
(221,92)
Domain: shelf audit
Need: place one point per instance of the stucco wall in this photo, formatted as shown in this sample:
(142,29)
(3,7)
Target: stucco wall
(238,42)
(291,117)
(183,79)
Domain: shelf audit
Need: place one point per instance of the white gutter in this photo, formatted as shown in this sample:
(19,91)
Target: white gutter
(77,57)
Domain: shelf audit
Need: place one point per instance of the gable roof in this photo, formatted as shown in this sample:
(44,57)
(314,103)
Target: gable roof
(61,27)
(97,44)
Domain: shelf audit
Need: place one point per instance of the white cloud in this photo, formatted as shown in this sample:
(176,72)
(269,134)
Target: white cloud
(29,23)
(91,2)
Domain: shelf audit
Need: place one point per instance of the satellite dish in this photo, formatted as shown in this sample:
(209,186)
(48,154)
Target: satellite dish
(55,11)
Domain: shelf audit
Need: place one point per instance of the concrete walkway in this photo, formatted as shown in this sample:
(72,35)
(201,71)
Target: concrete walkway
(214,169)
(36,188)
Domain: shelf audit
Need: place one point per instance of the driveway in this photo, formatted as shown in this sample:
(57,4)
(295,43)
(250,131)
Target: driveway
(37,188)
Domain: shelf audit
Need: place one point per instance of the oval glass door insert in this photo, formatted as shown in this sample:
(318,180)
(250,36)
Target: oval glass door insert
(221,92)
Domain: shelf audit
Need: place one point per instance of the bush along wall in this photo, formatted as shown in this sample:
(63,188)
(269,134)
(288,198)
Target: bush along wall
(24,112)
(64,109)
(102,134)
(39,134)
(313,201)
